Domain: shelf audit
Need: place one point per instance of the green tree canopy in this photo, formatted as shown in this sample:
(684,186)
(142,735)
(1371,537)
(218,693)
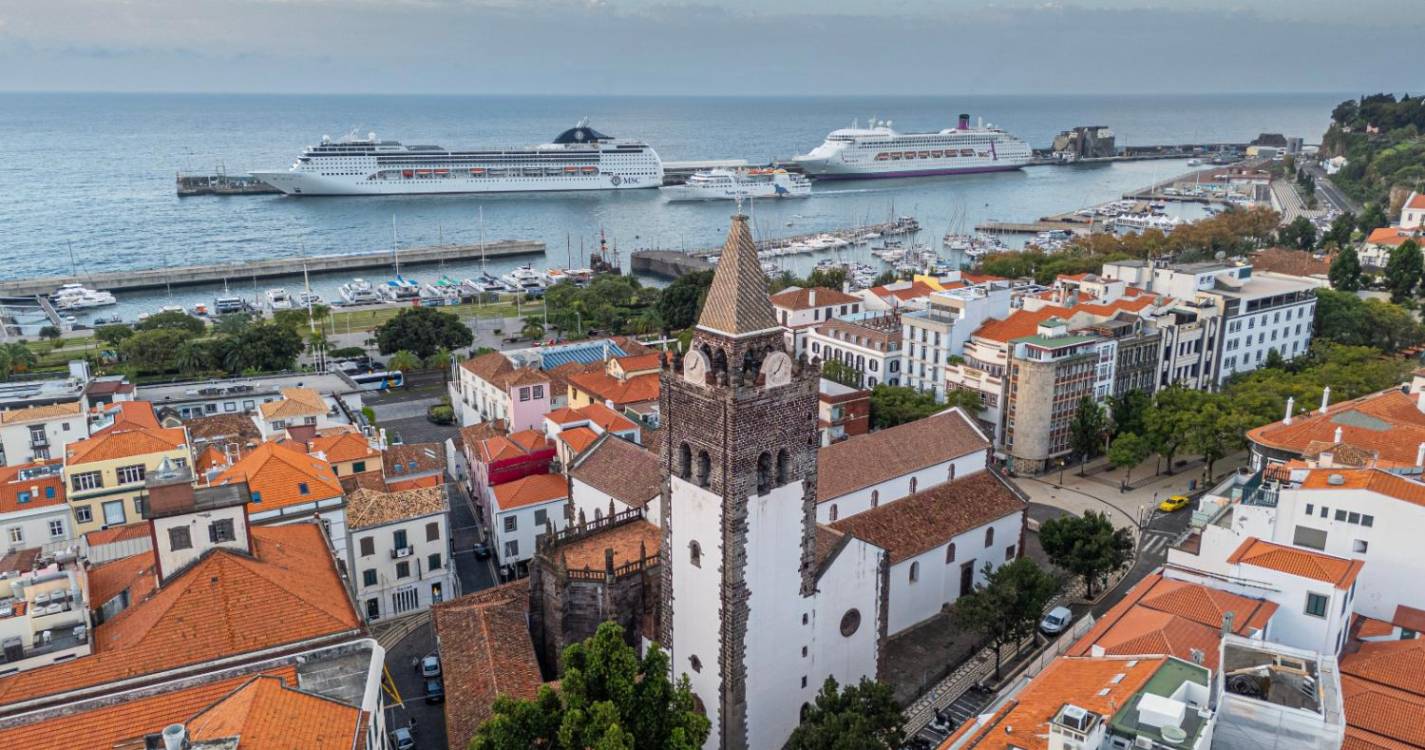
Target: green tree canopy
(154,350)
(404,360)
(1345,273)
(1168,420)
(113,333)
(839,372)
(1007,606)
(173,319)
(1087,430)
(261,347)
(607,698)
(1402,271)
(1300,234)
(895,404)
(1128,410)
(1342,227)
(966,399)
(422,330)
(1086,546)
(1373,218)
(1344,318)
(1127,451)
(862,716)
(679,302)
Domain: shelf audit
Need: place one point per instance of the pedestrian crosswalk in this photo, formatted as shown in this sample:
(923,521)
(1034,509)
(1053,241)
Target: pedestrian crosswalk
(1155,544)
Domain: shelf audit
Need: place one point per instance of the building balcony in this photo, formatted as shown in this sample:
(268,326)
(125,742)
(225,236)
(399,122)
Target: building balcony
(402,552)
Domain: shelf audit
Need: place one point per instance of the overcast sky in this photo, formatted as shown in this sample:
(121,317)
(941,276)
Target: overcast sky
(728,47)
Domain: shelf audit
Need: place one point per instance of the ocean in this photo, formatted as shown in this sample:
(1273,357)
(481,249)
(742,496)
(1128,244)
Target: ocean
(91,176)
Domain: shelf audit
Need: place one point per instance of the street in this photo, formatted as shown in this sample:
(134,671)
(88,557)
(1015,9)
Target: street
(1329,191)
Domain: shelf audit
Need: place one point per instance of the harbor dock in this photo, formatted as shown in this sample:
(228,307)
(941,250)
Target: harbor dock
(1033,227)
(667,264)
(159,278)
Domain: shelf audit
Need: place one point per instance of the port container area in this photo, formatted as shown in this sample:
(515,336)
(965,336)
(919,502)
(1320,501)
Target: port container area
(160,278)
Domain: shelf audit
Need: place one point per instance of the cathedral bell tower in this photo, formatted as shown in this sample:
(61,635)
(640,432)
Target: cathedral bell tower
(738,504)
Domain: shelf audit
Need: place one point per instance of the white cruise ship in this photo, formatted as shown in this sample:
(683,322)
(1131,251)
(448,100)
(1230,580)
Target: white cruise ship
(880,151)
(713,184)
(581,158)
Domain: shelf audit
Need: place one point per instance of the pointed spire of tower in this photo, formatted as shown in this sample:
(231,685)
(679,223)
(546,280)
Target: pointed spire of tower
(737,301)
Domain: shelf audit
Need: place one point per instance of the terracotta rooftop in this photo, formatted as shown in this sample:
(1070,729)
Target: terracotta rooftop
(1297,561)
(1415,200)
(1290,262)
(621,470)
(875,457)
(41,413)
(265,714)
(1374,480)
(604,387)
(1159,616)
(564,415)
(578,438)
(124,443)
(472,435)
(485,651)
(531,490)
(517,445)
(1383,688)
(638,362)
(806,299)
(903,291)
(1101,685)
(1388,236)
(116,534)
(932,517)
(1021,323)
(366,508)
(607,419)
(279,475)
(630,542)
(103,728)
(295,402)
(496,369)
(126,414)
(38,492)
(1388,424)
(737,301)
(223,428)
(286,593)
(340,447)
(406,459)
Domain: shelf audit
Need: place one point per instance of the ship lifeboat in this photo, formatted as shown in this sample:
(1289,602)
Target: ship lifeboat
(571,170)
(477,171)
(937,154)
(406,173)
(591,170)
(442,172)
(967,152)
(925,154)
(882,156)
(895,156)
(423,173)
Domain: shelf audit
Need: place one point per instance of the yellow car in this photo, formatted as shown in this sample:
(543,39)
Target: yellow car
(1176,502)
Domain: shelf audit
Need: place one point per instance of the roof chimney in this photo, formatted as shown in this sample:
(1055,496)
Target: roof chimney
(1336,438)
(1420,455)
(1290,404)
(811,297)
(1325,398)
(1420,401)
(175,737)
(1227,623)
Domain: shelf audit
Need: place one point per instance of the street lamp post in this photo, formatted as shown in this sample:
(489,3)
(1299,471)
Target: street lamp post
(1061,471)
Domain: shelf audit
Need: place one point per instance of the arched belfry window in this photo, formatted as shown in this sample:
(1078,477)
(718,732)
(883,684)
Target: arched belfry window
(704,468)
(695,554)
(685,461)
(784,467)
(719,362)
(764,473)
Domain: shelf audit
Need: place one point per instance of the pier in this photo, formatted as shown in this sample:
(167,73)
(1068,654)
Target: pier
(221,184)
(1033,227)
(159,278)
(667,264)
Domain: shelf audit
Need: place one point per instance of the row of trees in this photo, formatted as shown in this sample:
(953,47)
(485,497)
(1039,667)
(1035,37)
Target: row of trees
(175,342)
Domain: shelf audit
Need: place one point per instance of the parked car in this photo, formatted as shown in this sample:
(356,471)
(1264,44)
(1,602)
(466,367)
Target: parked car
(435,692)
(430,666)
(482,550)
(1057,621)
(401,739)
(1176,502)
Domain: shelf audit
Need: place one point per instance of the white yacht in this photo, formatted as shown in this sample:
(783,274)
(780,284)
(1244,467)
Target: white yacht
(278,299)
(359,292)
(879,151)
(525,279)
(580,158)
(401,289)
(80,297)
(305,298)
(229,304)
(486,284)
(733,184)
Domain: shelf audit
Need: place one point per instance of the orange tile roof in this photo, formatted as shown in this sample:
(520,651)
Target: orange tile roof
(875,457)
(1416,200)
(405,459)
(522,443)
(578,438)
(1387,424)
(125,442)
(133,574)
(1383,688)
(472,435)
(981,278)
(210,457)
(46,411)
(11,486)
(932,517)
(295,402)
(605,387)
(267,715)
(1369,627)
(103,727)
(639,362)
(286,593)
(607,419)
(530,440)
(564,415)
(1296,561)
(485,651)
(414,484)
(116,534)
(1397,664)
(1023,722)
(275,472)
(627,540)
(344,446)
(806,299)
(1390,236)
(1023,323)
(531,490)
(1374,480)
(129,414)
(1160,616)
(496,369)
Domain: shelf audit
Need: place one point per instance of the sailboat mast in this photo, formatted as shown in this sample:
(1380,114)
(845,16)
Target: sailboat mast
(395,249)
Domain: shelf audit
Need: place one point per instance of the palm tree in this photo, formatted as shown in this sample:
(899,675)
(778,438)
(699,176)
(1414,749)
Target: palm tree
(191,357)
(532,330)
(22,357)
(403,360)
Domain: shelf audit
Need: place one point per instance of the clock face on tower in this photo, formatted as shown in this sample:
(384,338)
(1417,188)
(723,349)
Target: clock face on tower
(695,367)
(776,370)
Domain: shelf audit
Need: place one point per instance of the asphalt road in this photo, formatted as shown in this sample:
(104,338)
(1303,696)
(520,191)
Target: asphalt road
(401,660)
(1333,195)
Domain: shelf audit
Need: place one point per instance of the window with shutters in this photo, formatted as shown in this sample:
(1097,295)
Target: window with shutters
(432,531)
(368,577)
(179,538)
(368,546)
(221,531)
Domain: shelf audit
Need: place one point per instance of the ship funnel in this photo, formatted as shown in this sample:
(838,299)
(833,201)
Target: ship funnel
(964,122)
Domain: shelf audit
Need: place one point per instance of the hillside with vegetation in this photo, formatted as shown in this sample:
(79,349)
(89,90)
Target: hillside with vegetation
(1383,140)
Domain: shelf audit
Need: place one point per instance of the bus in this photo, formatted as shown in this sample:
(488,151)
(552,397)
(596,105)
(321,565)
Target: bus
(377,380)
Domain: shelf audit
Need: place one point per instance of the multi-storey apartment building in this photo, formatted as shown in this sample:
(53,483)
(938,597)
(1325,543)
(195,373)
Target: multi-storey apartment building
(799,310)
(869,343)
(1049,374)
(939,331)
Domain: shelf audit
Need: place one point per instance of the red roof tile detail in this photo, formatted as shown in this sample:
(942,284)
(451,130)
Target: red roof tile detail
(276,472)
(875,457)
(930,518)
(267,715)
(806,299)
(124,442)
(1296,561)
(604,387)
(532,490)
(1388,424)
(39,492)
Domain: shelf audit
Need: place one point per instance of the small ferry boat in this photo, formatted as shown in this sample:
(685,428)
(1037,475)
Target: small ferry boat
(486,284)
(305,298)
(201,310)
(359,292)
(525,279)
(229,304)
(278,299)
(733,184)
(401,289)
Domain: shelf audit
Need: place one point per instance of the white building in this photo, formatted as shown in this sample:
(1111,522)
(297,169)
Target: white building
(33,512)
(939,331)
(615,474)
(37,433)
(867,343)
(799,310)
(400,550)
(490,387)
(297,408)
(1412,212)
(522,510)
